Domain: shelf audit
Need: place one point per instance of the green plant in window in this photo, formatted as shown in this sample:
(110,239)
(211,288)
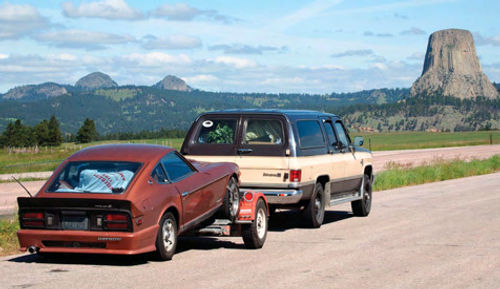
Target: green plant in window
(221,134)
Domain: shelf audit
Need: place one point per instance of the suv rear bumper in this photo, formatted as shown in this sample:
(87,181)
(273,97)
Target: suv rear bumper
(277,196)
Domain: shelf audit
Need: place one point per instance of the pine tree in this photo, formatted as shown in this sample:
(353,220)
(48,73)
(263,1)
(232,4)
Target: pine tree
(87,132)
(55,136)
(41,132)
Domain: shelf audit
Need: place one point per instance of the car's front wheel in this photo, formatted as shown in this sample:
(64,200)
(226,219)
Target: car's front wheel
(166,240)
(231,202)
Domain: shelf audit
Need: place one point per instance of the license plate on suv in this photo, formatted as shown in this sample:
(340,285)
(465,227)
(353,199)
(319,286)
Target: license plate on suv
(75,222)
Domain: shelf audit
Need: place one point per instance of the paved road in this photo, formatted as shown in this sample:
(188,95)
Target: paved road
(439,235)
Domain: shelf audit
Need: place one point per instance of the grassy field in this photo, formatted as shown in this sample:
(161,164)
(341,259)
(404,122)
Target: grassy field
(47,159)
(420,140)
(8,237)
(396,177)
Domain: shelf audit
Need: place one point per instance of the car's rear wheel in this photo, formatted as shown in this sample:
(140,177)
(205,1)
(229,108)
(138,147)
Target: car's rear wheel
(361,208)
(166,240)
(231,200)
(254,235)
(314,212)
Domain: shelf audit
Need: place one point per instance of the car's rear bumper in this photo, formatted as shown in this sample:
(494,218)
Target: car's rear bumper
(278,196)
(93,242)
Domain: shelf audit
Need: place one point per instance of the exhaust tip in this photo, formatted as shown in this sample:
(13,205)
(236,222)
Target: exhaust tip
(33,249)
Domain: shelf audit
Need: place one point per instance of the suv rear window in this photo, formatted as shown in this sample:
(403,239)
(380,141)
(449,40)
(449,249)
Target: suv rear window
(263,132)
(217,131)
(310,134)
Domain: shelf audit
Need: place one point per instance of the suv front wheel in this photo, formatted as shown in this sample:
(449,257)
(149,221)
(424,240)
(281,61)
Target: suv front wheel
(314,212)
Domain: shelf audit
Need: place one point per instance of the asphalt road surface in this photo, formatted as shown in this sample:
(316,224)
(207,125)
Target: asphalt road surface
(438,235)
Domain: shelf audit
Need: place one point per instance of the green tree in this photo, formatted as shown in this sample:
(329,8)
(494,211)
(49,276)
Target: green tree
(55,136)
(87,132)
(18,135)
(41,132)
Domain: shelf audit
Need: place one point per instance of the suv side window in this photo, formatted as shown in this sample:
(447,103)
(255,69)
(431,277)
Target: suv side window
(217,131)
(332,139)
(263,132)
(343,136)
(176,167)
(310,135)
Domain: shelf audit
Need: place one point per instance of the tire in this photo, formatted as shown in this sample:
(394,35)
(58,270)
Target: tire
(254,235)
(361,208)
(231,202)
(314,212)
(166,239)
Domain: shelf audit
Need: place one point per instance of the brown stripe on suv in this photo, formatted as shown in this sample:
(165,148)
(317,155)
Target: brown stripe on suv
(297,158)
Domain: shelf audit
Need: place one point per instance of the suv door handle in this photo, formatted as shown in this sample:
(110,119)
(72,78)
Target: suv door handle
(244,151)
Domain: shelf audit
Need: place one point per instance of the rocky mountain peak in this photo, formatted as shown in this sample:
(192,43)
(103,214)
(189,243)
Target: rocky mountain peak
(95,80)
(35,91)
(171,82)
(452,67)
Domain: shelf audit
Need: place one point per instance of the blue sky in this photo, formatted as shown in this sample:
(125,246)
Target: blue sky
(237,46)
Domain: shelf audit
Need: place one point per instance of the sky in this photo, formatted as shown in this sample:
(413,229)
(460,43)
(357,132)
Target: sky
(237,46)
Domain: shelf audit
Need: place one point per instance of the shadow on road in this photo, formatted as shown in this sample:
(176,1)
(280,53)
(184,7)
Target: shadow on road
(292,219)
(85,259)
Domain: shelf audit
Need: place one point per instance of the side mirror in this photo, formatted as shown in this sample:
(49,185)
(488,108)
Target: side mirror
(359,141)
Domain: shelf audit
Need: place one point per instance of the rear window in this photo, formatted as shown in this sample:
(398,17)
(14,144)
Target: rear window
(217,131)
(310,135)
(100,177)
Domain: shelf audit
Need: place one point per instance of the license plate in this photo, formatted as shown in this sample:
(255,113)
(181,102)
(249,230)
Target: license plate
(75,222)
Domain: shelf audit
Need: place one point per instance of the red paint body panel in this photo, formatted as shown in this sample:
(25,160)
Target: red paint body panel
(149,201)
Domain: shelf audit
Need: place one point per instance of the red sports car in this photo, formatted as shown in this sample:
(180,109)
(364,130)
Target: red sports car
(126,199)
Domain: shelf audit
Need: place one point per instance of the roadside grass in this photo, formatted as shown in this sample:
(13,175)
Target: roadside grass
(8,238)
(48,158)
(399,176)
(421,140)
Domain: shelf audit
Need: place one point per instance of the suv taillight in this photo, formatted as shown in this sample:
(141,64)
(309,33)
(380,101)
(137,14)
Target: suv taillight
(117,221)
(295,175)
(33,219)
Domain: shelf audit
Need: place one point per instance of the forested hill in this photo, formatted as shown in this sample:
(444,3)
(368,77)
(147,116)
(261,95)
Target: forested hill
(137,108)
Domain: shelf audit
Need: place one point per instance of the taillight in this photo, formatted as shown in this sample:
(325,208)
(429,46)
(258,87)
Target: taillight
(248,196)
(295,175)
(33,219)
(116,221)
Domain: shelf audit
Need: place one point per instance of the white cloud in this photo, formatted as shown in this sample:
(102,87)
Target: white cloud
(155,59)
(20,20)
(172,42)
(63,57)
(354,52)
(184,12)
(486,40)
(235,61)
(4,56)
(413,31)
(82,39)
(106,9)
(200,78)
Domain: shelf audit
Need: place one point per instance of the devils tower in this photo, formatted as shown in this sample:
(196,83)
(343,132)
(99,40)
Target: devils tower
(452,67)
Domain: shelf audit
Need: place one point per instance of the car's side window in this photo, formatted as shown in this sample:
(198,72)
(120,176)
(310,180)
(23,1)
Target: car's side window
(217,131)
(332,139)
(263,132)
(310,134)
(176,167)
(343,136)
(159,175)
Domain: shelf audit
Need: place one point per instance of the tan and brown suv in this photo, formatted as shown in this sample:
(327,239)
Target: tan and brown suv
(296,158)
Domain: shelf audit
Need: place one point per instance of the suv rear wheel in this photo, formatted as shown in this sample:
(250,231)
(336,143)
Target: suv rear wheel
(314,212)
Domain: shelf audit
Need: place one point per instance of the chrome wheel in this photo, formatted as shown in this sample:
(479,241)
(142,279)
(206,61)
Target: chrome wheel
(261,222)
(233,197)
(168,234)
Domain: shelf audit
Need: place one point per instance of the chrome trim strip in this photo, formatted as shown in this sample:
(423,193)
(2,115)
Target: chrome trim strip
(280,196)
